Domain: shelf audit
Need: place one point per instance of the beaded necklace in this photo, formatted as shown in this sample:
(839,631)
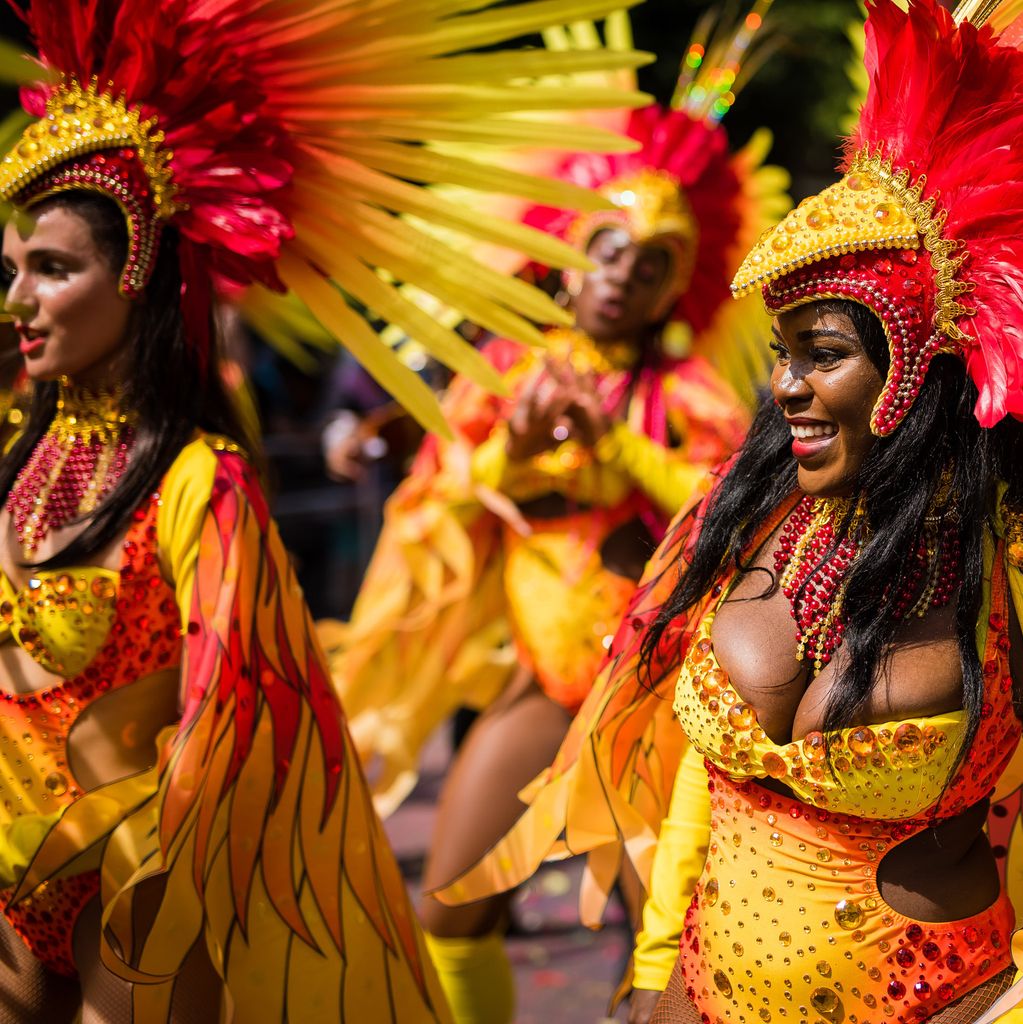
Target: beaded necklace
(75,465)
(815,569)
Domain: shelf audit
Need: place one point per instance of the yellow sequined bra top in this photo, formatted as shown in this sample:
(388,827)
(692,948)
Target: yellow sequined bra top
(891,771)
(60,618)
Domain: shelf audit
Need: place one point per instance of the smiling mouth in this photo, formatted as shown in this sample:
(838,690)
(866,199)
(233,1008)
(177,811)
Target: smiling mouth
(811,432)
(30,340)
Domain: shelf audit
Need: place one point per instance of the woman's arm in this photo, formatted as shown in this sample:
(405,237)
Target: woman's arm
(678,863)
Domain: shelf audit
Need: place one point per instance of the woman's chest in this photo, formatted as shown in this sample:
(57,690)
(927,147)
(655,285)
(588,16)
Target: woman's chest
(755,643)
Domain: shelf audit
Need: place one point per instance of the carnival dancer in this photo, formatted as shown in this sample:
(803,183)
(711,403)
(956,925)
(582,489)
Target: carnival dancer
(876,502)
(509,554)
(185,832)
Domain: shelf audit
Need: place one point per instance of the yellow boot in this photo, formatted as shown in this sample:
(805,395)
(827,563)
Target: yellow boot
(476,978)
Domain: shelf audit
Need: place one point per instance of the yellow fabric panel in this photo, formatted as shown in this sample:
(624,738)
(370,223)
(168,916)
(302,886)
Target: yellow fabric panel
(19,840)
(476,976)
(61,618)
(184,498)
(678,862)
(665,474)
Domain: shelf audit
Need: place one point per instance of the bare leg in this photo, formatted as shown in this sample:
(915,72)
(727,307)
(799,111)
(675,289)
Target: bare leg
(28,991)
(506,748)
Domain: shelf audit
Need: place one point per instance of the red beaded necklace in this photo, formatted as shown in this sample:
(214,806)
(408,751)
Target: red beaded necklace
(76,463)
(814,569)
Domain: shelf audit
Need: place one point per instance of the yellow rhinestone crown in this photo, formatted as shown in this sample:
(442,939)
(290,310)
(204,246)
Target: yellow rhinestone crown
(873,207)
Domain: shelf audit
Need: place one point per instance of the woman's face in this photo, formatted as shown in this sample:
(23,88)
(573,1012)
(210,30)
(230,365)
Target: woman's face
(826,386)
(618,299)
(62,295)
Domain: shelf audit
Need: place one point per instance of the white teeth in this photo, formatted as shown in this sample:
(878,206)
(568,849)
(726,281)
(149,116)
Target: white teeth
(804,432)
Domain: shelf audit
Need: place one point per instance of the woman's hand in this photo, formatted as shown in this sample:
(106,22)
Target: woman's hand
(556,405)
(585,406)
(539,422)
(641,1005)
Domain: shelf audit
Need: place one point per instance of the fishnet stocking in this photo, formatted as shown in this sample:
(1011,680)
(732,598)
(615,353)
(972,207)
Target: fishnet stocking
(28,992)
(969,1007)
(675,1007)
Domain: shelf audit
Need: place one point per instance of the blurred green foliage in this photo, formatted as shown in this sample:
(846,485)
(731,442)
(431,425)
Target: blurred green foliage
(802,92)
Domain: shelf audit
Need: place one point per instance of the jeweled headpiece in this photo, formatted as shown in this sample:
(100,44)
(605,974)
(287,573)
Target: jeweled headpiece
(92,141)
(288,145)
(925,228)
(681,188)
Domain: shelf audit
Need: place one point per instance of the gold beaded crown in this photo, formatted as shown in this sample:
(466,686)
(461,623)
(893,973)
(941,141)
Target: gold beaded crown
(681,190)
(93,141)
(652,208)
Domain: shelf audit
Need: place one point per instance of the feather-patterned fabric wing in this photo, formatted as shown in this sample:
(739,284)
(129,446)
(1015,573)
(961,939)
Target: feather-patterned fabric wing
(257,818)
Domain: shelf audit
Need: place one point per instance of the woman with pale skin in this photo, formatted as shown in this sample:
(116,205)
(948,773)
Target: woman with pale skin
(95,602)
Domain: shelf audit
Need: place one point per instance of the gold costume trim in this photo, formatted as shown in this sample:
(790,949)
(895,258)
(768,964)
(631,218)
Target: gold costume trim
(873,207)
(81,120)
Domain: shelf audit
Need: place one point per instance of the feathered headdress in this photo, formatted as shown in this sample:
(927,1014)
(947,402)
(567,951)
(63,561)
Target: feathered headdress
(285,141)
(926,226)
(681,187)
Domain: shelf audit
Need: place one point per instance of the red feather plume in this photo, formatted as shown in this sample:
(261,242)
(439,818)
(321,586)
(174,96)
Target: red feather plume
(946,103)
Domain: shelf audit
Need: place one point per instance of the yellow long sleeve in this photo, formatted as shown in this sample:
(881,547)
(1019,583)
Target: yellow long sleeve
(665,474)
(678,863)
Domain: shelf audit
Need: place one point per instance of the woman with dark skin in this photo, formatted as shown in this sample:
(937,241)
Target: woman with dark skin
(519,733)
(877,507)
(825,377)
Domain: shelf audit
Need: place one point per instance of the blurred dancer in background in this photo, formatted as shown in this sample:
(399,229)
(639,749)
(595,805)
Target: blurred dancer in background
(510,552)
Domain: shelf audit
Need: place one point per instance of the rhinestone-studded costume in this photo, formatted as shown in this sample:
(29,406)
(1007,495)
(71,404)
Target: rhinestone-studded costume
(804,912)
(787,922)
(809,917)
(98,630)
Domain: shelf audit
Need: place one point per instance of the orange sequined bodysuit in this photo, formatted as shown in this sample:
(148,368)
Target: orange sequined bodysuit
(98,630)
(787,922)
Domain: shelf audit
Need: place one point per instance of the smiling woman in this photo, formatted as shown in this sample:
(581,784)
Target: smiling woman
(838,621)
(831,359)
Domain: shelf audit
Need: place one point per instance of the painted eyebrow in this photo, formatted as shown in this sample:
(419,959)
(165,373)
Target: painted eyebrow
(823,332)
(810,333)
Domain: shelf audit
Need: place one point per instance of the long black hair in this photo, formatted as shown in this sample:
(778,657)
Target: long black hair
(171,390)
(898,480)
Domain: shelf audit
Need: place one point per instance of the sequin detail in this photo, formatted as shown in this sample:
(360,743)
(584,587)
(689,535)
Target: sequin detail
(818,941)
(793,882)
(143,637)
(46,919)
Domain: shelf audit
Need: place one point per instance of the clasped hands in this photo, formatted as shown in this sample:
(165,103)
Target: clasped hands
(557,404)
